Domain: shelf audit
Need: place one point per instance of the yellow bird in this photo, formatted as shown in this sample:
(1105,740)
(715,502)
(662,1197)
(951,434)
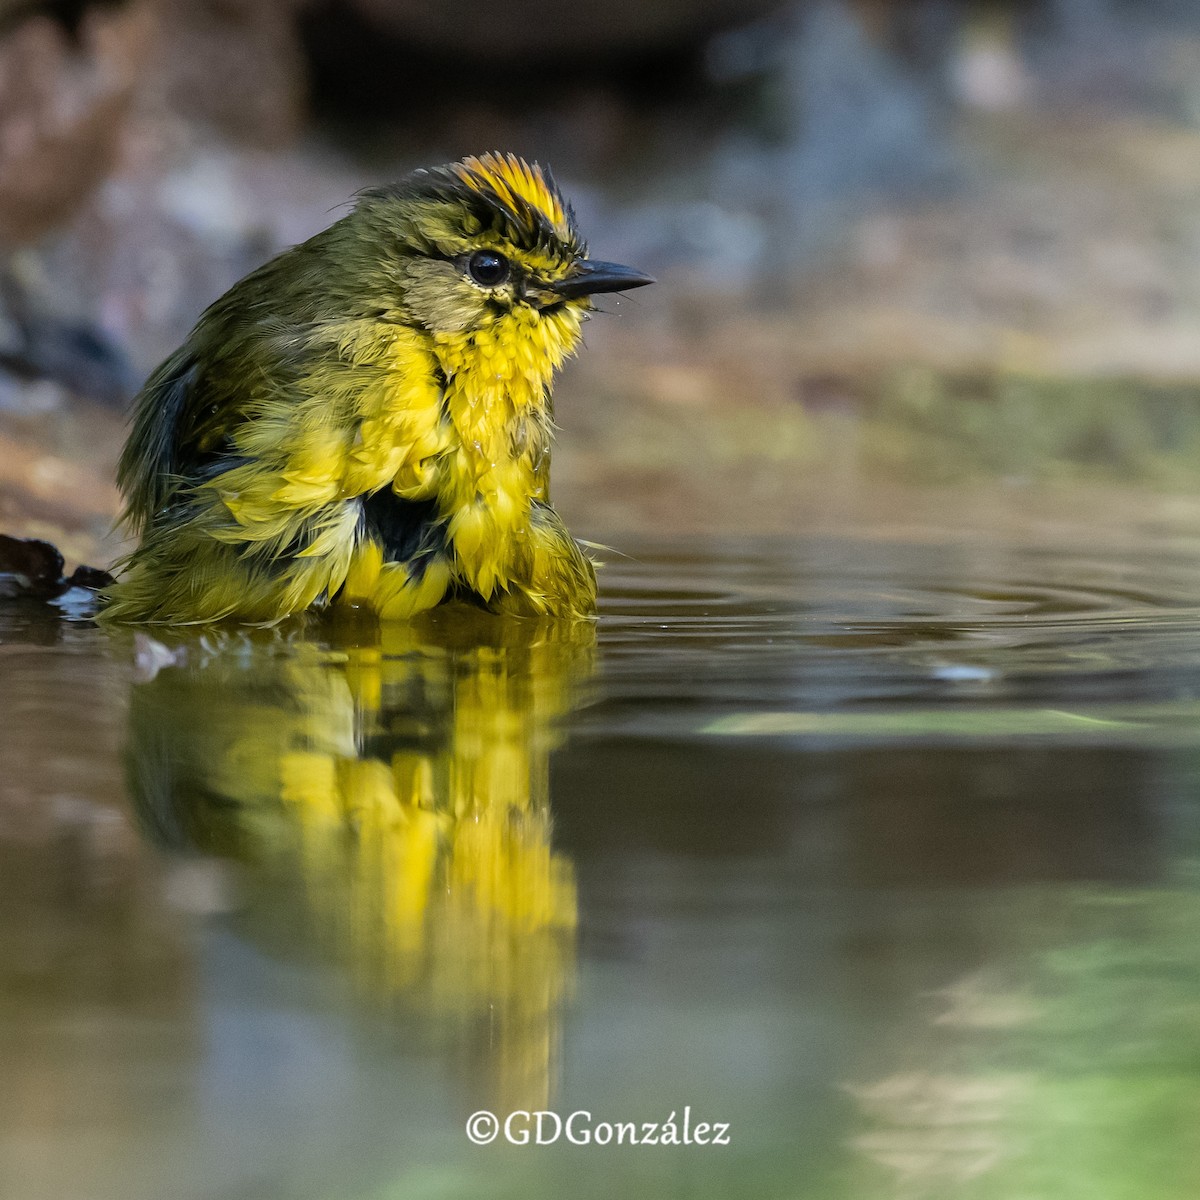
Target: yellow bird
(366,419)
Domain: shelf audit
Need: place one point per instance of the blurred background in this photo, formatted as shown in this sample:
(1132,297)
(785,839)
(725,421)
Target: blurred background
(907,249)
(864,818)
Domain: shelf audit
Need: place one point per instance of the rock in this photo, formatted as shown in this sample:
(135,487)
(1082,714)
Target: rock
(29,568)
(73,72)
(33,570)
(63,100)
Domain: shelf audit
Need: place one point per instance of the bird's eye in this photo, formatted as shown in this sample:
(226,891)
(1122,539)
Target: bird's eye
(488,268)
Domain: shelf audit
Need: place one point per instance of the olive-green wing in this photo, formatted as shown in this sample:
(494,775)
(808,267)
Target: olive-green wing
(185,416)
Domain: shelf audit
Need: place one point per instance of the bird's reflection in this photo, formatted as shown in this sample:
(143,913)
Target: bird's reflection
(389,792)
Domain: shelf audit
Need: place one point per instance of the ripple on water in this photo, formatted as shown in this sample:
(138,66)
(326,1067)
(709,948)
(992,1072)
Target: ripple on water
(848,639)
(824,638)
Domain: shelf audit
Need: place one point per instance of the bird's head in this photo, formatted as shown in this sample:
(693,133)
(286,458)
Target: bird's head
(484,241)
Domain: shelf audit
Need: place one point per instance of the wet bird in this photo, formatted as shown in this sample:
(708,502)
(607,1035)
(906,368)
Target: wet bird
(366,419)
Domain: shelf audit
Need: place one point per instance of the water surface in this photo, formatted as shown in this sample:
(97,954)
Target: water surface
(882,852)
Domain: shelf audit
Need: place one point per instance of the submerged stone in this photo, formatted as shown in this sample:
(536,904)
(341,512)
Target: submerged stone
(33,570)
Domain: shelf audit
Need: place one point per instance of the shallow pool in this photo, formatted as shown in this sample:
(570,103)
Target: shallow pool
(881,853)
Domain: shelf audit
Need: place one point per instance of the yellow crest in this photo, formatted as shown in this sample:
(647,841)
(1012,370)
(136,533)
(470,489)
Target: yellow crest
(524,189)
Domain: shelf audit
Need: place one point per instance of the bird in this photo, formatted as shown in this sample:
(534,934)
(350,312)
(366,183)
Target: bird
(366,420)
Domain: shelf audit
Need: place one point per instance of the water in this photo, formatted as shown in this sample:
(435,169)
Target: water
(882,853)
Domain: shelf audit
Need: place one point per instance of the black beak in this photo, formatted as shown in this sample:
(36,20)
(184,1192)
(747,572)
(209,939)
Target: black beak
(592,277)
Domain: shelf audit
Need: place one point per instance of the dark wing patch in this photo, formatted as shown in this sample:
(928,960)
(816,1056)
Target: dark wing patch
(150,462)
(186,416)
(408,530)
